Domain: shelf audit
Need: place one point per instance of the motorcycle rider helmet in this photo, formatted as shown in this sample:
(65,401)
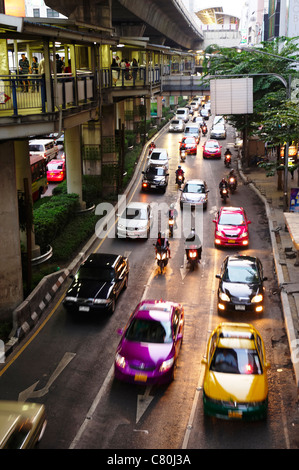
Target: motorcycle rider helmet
(223,180)
(179,167)
(172,206)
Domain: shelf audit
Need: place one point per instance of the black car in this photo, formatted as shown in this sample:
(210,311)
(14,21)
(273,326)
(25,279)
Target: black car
(155,177)
(98,283)
(241,285)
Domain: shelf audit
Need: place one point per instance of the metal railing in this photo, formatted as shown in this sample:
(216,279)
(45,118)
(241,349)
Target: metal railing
(26,94)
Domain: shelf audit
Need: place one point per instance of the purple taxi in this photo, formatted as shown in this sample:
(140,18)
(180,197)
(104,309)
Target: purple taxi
(150,343)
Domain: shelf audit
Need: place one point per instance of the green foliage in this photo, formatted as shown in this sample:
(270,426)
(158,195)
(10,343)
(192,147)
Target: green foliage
(51,217)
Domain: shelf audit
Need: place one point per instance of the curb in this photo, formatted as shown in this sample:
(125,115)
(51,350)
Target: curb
(291,334)
(29,312)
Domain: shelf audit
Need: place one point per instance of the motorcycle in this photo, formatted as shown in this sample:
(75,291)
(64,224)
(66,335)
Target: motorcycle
(204,130)
(227,159)
(224,194)
(183,155)
(162,258)
(171,226)
(179,180)
(232,184)
(192,256)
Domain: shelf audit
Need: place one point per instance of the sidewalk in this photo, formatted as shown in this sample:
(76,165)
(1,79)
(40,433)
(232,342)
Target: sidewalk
(283,251)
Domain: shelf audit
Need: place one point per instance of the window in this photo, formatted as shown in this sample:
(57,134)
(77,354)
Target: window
(52,13)
(36,13)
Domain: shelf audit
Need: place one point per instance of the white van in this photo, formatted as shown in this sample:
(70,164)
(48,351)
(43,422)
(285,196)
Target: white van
(193,130)
(44,147)
(182,113)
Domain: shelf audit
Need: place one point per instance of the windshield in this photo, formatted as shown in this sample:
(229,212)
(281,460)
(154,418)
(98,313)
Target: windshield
(96,274)
(55,166)
(192,130)
(158,156)
(181,111)
(241,273)
(211,145)
(189,140)
(149,331)
(156,171)
(132,213)
(231,219)
(194,188)
(35,148)
(175,121)
(236,361)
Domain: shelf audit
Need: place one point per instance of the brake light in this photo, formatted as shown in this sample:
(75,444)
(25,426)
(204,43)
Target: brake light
(144,185)
(192,253)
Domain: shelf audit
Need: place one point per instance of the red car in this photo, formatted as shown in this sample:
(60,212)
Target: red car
(56,171)
(231,227)
(211,149)
(189,145)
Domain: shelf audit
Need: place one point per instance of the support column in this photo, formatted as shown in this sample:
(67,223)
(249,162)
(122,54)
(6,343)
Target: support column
(72,138)
(23,170)
(109,149)
(11,285)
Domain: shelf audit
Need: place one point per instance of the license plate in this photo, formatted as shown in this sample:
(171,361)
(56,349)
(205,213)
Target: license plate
(239,307)
(83,309)
(235,414)
(153,185)
(140,377)
(231,241)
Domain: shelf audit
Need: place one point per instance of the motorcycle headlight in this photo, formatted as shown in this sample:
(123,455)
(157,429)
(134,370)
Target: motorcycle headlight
(257,298)
(224,297)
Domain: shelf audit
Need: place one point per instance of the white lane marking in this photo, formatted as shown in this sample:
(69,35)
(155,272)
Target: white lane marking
(93,408)
(202,370)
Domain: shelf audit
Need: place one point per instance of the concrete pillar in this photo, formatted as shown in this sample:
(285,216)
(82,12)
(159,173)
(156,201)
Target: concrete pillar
(23,170)
(137,118)
(4,68)
(109,148)
(11,285)
(72,140)
(91,143)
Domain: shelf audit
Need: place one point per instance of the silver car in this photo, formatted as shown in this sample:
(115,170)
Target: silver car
(218,132)
(194,193)
(176,125)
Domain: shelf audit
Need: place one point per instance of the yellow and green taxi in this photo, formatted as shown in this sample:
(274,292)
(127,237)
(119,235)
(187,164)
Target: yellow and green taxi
(22,425)
(235,381)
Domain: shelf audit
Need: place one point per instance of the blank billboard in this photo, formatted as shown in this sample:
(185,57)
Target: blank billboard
(231,96)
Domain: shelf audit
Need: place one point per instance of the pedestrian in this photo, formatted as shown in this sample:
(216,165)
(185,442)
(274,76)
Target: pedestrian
(134,69)
(123,68)
(24,69)
(68,68)
(34,71)
(114,70)
(127,69)
(59,64)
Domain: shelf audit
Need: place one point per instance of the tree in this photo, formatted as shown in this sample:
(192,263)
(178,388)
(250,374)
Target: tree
(275,117)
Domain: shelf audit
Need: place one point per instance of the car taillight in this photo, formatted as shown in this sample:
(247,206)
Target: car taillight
(144,185)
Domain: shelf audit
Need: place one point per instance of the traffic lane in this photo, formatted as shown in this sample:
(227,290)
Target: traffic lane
(129,416)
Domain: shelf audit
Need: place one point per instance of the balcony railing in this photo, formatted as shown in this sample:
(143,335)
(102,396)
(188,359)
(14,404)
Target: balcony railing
(26,94)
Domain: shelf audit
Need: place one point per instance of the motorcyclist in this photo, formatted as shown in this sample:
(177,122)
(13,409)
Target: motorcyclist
(193,240)
(223,184)
(152,145)
(172,214)
(232,175)
(162,243)
(227,152)
(179,171)
(204,129)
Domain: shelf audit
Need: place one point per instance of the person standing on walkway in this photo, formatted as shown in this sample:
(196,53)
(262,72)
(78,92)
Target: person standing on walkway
(24,69)
(114,70)
(34,70)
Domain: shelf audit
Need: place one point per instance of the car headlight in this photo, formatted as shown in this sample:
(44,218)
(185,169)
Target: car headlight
(101,301)
(224,297)
(70,299)
(257,298)
(243,235)
(219,234)
(166,365)
(120,360)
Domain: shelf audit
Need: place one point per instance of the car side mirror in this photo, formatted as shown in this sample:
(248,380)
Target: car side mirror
(143,172)
(215,221)
(249,221)
(204,360)
(120,331)
(218,276)
(265,278)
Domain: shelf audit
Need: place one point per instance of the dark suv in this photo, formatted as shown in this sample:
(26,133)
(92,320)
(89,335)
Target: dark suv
(98,283)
